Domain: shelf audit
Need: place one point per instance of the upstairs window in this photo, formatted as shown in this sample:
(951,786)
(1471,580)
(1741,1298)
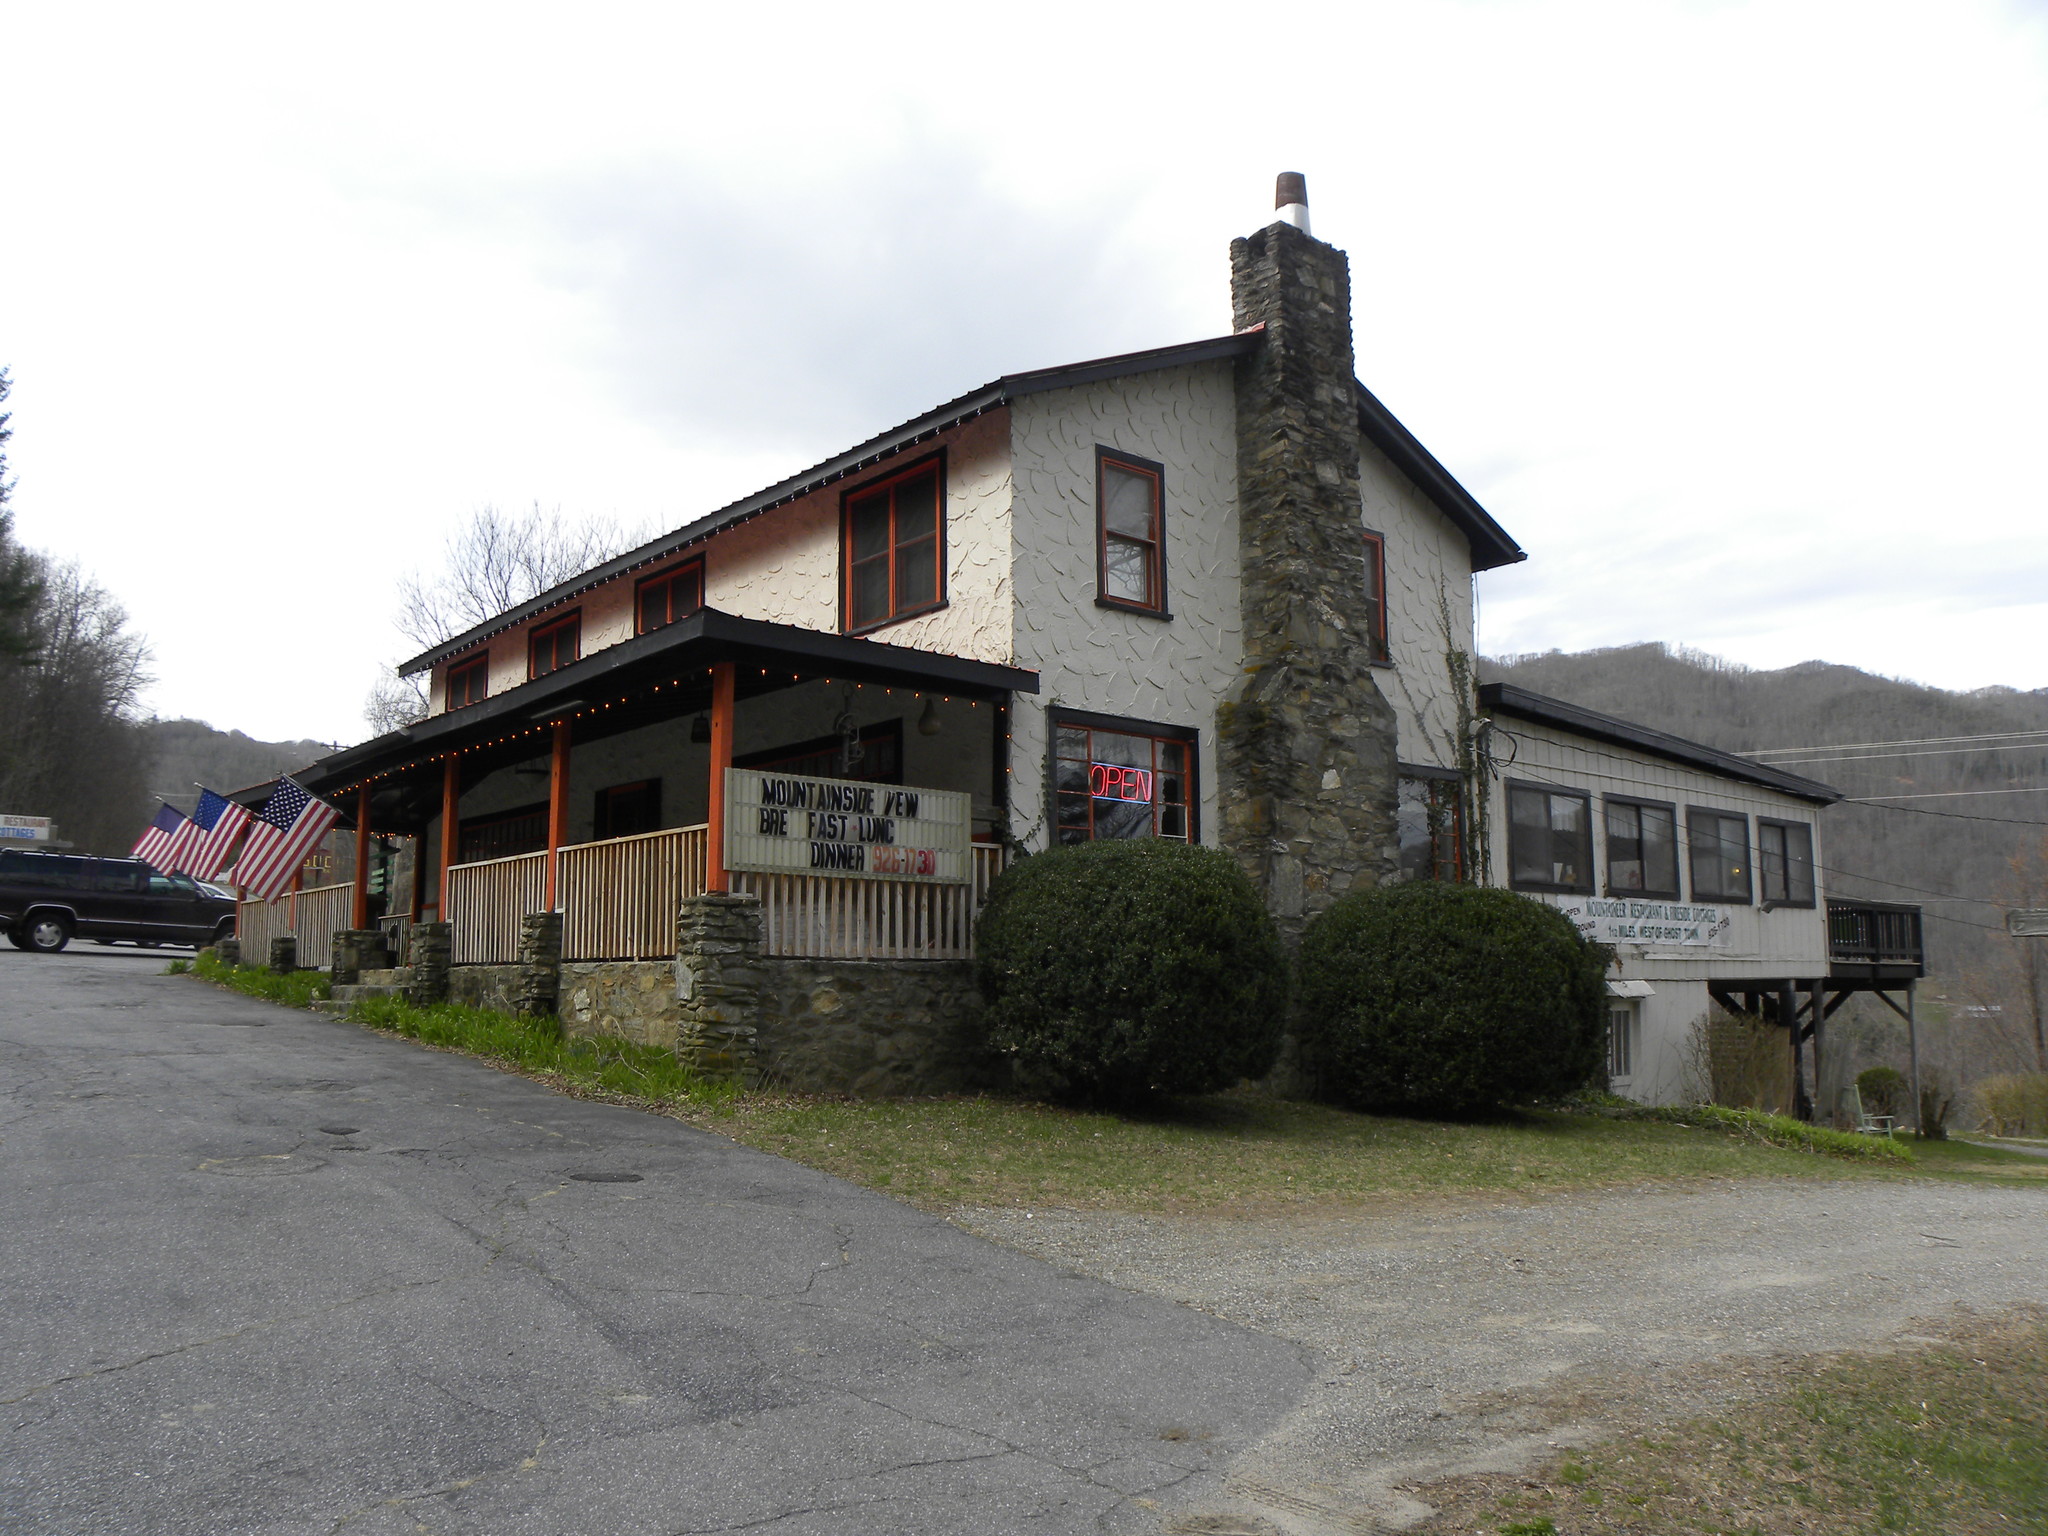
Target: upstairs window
(1720,854)
(556,645)
(1130,533)
(1642,848)
(674,594)
(893,548)
(468,682)
(1550,838)
(1113,778)
(1376,596)
(1784,862)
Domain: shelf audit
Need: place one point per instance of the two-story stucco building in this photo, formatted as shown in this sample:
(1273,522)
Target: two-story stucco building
(1212,592)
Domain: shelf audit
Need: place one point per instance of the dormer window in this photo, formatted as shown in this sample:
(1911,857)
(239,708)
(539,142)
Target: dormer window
(674,594)
(468,682)
(893,547)
(1130,535)
(556,645)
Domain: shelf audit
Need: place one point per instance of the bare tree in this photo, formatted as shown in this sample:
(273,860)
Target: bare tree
(20,572)
(395,702)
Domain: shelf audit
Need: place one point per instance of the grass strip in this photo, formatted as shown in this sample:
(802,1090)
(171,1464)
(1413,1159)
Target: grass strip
(645,1074)
(295,989)
(1949,1440)
(1778,1130)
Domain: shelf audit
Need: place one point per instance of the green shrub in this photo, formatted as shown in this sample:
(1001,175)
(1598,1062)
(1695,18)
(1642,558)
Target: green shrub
(1883,1090)
(1447,999)
(1118,971)
(2012,1104)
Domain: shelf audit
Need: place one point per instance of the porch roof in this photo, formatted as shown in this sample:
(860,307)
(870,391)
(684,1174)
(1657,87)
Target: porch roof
(656,660)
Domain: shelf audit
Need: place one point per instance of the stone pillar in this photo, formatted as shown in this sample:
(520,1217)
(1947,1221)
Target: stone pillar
(429,962)
(356,950)
(284,954)
(1306,745)
(718,982)
(228,951)
(538,984)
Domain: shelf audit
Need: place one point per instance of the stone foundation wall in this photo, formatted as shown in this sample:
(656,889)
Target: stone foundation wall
(484,986)
(634,999)
(871,1027)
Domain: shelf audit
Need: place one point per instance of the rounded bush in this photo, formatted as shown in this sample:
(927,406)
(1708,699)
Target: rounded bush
(1884,1090)
(1118,971)
(1448,999)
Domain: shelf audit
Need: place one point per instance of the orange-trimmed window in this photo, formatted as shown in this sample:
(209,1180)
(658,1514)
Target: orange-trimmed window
(1118,778)
(556,645)
(1130,537)
(893,547)
(468,682)
(674,594)
(1376,595)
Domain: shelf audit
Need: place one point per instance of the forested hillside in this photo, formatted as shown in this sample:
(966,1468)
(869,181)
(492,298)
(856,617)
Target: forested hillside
(188,752)
(1963,858)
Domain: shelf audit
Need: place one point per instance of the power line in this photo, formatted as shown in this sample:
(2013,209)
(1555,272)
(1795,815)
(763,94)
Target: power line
(1878,757)
(1944,794)
(1906,741)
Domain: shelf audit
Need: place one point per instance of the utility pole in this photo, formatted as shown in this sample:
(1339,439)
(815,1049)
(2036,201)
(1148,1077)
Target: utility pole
(2032,923)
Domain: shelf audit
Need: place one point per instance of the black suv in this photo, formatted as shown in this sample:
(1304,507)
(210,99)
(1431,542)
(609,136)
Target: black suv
(46,898)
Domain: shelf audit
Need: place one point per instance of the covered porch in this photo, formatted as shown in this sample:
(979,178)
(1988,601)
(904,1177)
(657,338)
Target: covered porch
(599,791)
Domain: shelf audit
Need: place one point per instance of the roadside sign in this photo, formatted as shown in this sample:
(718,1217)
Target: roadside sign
(24,829)
(2027,923)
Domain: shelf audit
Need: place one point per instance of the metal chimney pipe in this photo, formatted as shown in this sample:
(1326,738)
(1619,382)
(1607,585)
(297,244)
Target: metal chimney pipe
(1290,198)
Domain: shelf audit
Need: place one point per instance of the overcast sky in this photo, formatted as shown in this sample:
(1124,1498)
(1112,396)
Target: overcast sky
(1734,315)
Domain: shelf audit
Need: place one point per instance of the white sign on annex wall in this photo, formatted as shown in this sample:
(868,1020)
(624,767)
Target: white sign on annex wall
(26,829)
(784,823)
(1619,920)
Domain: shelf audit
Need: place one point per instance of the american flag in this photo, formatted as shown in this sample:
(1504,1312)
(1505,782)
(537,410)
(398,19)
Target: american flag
(216,821)
(160,839)
(290,826)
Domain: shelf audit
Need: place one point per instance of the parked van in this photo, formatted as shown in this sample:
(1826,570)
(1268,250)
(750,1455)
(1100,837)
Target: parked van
(47,899)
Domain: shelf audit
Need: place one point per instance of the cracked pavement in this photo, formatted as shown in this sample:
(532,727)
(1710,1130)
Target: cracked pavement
(291,1278)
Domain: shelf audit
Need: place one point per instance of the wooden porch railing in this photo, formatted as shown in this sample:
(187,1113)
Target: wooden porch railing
(314,916)
(830,917)
(484,903)
(619,897)
(1875,933)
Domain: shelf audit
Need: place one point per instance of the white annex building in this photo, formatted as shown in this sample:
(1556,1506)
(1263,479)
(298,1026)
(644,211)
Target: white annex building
(1213,592)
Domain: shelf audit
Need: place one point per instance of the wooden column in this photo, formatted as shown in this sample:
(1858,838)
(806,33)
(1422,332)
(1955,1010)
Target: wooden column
(1788,1010)
(1913,1058)
(558,804)
(1824,1107)
(722,696)
(451,828)
(359,913)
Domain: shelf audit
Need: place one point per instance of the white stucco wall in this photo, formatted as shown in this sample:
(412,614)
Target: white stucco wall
(1164,671)
(1429,608)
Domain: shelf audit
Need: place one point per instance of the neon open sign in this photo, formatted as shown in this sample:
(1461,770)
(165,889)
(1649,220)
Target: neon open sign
(1106,781)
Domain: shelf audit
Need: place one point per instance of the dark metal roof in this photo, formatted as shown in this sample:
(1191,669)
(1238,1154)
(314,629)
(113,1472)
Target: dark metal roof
(704,636)
(1491,546)
(1507,699)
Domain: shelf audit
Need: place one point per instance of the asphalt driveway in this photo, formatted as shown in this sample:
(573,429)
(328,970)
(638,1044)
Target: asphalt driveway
(266,1272)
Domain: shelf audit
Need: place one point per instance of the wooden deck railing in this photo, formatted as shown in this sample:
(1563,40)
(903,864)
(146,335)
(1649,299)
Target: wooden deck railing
(314,916)
(486,900)
(830,917)
(1875,933)
(619,897)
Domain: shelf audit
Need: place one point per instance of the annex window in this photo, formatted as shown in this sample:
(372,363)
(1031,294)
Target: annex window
(1642,847)
(1720,854)
(1784,862)
(1376,595)
(625,810)
(1430,823)
(468,682)
(556,645)
(1621,1041)
(1114,778)
(524,830)
(893,547)
(672,595)
(1130,532)
(1550,838)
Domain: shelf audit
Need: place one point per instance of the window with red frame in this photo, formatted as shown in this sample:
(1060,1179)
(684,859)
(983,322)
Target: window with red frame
(894,547)
(557,645)
(1376,595)
(1130,541)
(1122,783)
(468,682)
(670,596)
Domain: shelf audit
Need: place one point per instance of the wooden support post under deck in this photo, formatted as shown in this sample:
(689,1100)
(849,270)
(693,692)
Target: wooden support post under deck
(359,912)
(1824,1107)
(722,693)
(451,810)
(1913,1057)
(1788,1010)
(558,804)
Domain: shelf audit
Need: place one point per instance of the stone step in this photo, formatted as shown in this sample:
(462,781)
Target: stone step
(360,991)
(391,976)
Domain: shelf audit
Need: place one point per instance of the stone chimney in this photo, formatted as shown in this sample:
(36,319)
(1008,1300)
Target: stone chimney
(1306,747)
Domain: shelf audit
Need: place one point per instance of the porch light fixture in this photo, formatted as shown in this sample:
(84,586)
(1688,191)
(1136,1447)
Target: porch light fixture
(700,731)
(928,722)
(559,711)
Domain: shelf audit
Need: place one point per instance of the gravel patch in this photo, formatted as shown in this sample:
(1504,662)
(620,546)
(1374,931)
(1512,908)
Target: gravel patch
(1463,1336)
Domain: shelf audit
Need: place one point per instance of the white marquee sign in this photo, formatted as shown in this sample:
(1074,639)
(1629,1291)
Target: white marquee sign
(1619,920)
(784,823)
(25,829)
